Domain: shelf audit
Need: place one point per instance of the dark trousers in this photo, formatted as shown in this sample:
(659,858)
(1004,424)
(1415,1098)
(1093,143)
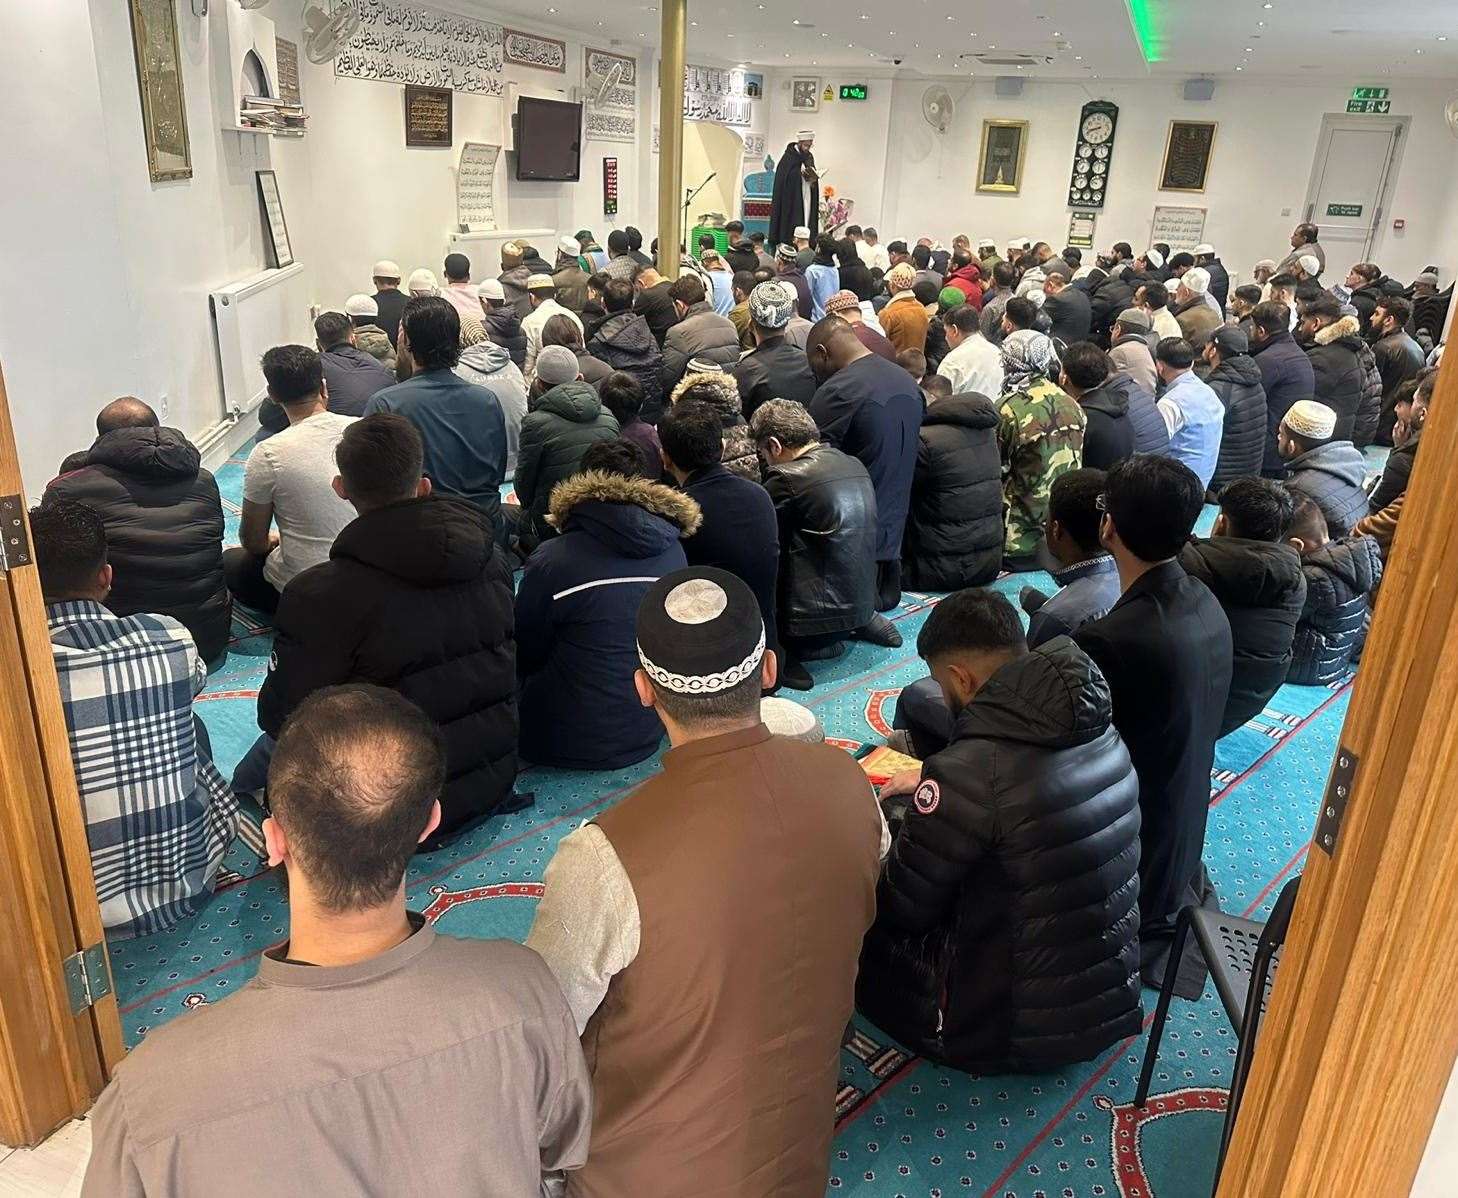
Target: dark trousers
(243,572)
(888,584)
(922,713)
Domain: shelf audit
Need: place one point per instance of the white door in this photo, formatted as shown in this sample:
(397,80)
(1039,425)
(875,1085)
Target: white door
(1351,184)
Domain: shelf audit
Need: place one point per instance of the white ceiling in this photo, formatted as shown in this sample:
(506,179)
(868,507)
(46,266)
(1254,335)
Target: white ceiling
(1349,41)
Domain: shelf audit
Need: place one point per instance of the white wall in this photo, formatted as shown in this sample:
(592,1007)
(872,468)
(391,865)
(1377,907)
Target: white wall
(1261,164)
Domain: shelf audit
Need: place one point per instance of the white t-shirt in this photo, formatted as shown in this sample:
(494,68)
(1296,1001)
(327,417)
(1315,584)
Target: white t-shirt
(975,365)
(875,256)
(294,471)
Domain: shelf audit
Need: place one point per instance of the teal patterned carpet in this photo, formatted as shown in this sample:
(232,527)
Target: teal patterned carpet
(905,1127)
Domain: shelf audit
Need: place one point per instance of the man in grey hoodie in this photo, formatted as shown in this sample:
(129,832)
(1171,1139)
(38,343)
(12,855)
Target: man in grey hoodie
(489,365)
(1329,470)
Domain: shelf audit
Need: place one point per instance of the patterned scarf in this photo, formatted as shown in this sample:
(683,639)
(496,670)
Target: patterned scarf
(1027,355)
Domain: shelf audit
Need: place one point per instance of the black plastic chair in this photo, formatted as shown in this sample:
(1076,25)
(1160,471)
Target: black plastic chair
(1242,955)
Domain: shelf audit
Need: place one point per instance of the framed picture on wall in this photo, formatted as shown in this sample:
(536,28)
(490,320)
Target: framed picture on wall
(275,228)
(428,116)
(159,77)
(1000,165)
(804,94)
(1187,152)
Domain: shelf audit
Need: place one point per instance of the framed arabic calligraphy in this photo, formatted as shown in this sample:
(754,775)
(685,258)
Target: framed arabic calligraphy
(401,43)
(533,50)
(428,116)
(476,187)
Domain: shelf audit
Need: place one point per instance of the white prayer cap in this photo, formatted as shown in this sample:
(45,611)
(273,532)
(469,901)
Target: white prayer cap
(492,290)
(423,281)
(805,135)
(987,244)
(569,246)
(1203,249)
(1154,258)
(1309,419)
(802,232)
(385,269)
(361,305)
(1196,279)
(1310,263)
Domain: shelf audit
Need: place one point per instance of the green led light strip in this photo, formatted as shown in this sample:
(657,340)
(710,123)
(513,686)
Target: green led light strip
(1141,15)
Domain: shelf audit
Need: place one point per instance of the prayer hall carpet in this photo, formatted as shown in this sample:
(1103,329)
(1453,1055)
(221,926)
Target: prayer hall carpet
(905,1127)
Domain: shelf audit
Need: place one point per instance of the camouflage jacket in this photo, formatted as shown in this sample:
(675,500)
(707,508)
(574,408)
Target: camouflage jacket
(1040,435)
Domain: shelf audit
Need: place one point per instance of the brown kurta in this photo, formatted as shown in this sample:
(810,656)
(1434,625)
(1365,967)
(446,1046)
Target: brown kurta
(715,1054)
(441,1067)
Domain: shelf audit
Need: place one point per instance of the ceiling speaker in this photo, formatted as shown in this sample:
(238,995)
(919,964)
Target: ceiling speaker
(1009,85)
(1199,89)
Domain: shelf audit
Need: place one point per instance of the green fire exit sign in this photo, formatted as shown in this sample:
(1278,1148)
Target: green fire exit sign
(1344,210)
(1369,93)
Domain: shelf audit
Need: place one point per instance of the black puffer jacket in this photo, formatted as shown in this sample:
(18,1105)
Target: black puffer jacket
(1340,579)
(1111,297)
(414,597)
(954,534)
(1261,589)
(164,529)
(554,436)
(826,509)
(1369,410)
(1007,922)
(1339,381)
(503,328)
(1396,473)
(1237,381)
(625,342)
(1109,435)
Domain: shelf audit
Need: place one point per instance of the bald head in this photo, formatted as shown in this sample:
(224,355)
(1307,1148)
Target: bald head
(126,412)
(353,785)
(831,346)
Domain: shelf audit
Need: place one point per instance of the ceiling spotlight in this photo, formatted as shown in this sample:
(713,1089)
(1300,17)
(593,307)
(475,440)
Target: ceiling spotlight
(1417,51)
(551,10)
(1442,37)
(950,17)
(1268,4)
(796,21)
(864,16)
(693,22)
(1240,68)
(1078,58)
(1056,33)
(1250,49)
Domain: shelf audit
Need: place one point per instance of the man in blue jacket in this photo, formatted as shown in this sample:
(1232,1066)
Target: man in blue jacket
(1286,374)
(461,424)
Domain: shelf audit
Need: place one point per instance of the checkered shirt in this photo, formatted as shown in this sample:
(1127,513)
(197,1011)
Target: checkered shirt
(158,814)
(625,266)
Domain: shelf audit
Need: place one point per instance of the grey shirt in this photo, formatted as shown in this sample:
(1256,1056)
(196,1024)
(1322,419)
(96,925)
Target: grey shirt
(442,1066)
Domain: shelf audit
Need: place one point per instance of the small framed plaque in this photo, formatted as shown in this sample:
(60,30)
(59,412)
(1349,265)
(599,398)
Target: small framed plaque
(275,228)
(1187,152)
(1004,149)
(428,116)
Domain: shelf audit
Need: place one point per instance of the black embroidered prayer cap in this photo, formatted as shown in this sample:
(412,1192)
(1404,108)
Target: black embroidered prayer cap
(699,631)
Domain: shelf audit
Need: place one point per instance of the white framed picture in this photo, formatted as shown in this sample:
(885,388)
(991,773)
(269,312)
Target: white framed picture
(804,94)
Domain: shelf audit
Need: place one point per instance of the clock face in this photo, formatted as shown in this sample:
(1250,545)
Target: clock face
(1100,167)
(1098,184)
(1085,151)
(1098,127)
(1101,152)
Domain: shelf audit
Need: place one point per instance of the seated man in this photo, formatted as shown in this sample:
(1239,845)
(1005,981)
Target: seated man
(364,315)
(1257,577)
(575,653)
(700,333)
(1007,926)
(705,929)
(364,1017)
(1341,586)
(825,508)
(738,532)
(158,814)
(1165,649)
(1328,470)
(461,424)
(351,375)
(415,597)
(1088,579)
(288,481)
(774,368)
(164,522)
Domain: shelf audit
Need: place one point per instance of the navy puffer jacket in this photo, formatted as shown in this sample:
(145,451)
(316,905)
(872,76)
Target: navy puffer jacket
(1237,381)
(1340,579)
(1007,924)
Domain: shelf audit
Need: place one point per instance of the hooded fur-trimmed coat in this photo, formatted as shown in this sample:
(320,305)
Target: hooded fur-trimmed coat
(576,613)
(721,392)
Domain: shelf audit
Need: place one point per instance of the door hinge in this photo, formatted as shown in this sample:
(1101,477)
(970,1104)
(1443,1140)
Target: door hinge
(14,541)
(88,977)
(1334,802)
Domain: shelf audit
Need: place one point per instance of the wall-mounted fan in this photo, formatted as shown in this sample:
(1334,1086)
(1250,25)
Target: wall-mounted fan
(600,84)
(245,5)
(327,33)
(937,108)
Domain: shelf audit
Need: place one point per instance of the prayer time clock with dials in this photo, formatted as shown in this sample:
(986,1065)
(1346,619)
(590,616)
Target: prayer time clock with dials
(1093,154)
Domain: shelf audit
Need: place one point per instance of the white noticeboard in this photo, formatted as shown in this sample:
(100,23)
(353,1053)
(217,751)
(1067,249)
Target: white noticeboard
(475,187)
(1181,228)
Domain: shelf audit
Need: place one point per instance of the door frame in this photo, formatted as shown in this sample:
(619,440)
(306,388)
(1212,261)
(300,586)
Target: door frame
(1400,126)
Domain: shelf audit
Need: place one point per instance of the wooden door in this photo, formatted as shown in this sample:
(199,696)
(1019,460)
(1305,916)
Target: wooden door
(1362,1031)
(53,1063)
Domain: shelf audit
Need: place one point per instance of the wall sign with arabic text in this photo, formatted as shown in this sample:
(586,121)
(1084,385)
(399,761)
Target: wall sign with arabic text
(533,50)
(401,43)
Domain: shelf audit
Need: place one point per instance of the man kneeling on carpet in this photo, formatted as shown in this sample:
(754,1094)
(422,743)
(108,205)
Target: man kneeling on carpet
(1007,917)
(315,1077)
(417,597)
(705,930)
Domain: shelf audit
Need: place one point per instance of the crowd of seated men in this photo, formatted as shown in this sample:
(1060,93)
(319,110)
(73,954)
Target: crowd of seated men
(709,493)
